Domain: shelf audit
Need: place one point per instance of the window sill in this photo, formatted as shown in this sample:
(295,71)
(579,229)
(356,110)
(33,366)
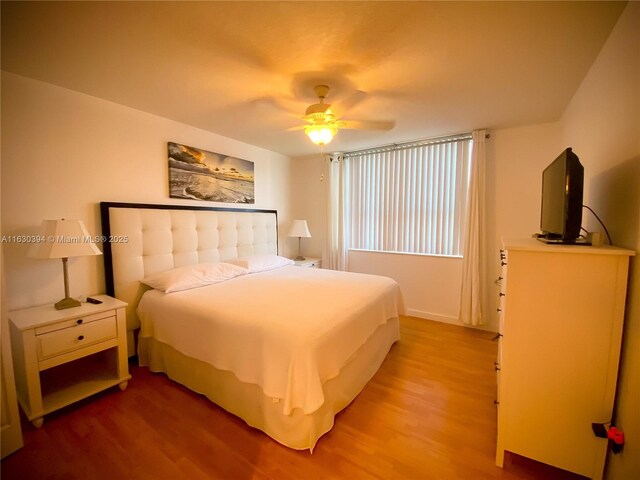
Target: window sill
(405,253)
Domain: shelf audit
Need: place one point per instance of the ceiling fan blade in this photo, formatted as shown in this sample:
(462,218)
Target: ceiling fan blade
(383,126)
(339,108)
(299,127)
(278,103)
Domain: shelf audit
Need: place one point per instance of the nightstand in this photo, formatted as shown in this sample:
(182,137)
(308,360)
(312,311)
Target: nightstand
(62,356)
(309,263)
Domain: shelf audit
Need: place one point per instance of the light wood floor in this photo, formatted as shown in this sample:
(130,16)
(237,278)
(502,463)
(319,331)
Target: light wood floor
(427,414)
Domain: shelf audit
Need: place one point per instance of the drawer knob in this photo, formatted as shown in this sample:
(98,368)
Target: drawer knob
(81,337)
(79,321)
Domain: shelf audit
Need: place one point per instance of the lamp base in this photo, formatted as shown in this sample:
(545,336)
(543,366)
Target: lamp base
(299,258)
(67,303)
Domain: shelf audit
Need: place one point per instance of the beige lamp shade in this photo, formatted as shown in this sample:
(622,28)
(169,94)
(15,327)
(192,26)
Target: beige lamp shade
(299,229)
(64,239)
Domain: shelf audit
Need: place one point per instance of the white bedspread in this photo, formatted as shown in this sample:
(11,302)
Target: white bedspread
(288,330)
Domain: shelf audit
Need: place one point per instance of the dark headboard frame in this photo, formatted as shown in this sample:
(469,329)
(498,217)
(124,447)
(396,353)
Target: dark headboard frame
(106,228)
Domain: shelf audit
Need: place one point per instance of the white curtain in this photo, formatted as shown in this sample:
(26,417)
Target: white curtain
(472,262)
(335,251)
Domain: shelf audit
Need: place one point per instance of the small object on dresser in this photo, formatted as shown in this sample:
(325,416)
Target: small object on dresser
(95,301)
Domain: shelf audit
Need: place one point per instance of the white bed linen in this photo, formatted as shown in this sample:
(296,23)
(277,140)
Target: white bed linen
(287,330)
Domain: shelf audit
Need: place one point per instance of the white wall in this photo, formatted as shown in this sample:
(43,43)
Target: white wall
(515,158)
(430,284)
(63,152)
(308,202)
(602,123)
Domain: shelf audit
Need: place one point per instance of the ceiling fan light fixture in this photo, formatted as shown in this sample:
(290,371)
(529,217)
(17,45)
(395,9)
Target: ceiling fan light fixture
(321,133)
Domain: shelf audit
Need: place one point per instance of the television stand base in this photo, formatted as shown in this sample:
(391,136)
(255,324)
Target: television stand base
(560,241)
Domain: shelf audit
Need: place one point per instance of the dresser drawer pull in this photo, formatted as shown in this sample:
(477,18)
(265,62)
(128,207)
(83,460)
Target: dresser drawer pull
(501,294)
(81,337)
(79,321)
(498,335)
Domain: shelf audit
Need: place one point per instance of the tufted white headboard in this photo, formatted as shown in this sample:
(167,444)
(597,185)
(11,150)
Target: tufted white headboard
(143,239)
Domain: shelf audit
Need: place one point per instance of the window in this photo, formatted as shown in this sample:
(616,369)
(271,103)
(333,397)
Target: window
(408,198)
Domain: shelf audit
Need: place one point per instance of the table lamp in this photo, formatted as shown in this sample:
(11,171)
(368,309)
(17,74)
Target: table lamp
(299,229)
(64,239)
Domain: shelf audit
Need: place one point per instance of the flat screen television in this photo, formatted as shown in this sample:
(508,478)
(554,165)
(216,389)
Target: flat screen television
(561,213)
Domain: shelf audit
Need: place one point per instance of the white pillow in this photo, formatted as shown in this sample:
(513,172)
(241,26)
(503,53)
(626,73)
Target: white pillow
(261,263)
(193,276)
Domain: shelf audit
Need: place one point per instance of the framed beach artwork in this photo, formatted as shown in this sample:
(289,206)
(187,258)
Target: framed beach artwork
(198,174)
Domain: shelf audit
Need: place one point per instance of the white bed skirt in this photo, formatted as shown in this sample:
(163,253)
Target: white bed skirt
(247,401)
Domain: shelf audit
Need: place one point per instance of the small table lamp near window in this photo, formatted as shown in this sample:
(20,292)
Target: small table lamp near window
(299,229)
(64,239)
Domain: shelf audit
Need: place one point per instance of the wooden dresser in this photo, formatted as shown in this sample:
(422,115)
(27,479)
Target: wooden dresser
(561,318)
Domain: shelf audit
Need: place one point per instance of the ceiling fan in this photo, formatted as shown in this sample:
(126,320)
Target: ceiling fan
(323,122)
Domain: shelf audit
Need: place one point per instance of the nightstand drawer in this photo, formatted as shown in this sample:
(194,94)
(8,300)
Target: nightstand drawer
(80,320)
(78,336)
(312,264)
(309,263)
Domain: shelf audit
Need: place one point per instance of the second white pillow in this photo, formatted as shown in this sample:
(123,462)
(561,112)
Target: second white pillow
(261,263)
(193,276)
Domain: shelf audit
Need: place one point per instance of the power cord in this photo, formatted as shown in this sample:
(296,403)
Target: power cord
(598,218)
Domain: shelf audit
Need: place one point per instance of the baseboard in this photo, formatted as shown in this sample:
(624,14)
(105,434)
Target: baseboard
(447,319)
(433,316)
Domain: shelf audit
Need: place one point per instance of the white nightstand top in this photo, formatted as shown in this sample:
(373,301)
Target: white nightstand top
(44,314)
(308,262)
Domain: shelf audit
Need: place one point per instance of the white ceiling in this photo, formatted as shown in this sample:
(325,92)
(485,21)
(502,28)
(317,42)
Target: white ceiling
(246,70)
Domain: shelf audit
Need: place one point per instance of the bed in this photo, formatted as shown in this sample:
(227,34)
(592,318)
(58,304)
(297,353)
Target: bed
(284,348)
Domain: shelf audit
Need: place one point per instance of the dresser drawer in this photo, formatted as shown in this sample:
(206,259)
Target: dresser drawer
(75,337)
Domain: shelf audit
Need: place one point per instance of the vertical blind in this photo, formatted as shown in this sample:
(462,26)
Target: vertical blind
(408,198)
